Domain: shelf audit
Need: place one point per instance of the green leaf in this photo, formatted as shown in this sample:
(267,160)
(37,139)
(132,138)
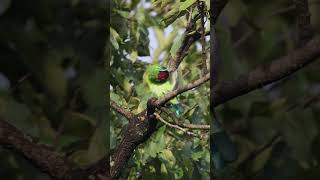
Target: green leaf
(157,144)
(186,4)
(65,140)
(176,45)
(97,147)
(167,156)
(178,174)
(134,56)
(133,103)
(124,14)
(197,155)
(171,16)
(80,157)
(163,169)
(114,38)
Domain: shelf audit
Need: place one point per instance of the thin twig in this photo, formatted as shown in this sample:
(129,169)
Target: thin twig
(23,78)
(185,125)
(177,127)
(201,7)
(183,89)
(43,157)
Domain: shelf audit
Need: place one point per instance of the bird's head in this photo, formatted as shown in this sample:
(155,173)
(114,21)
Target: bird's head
(157,73)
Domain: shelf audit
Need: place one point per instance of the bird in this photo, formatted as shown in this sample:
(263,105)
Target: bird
(223,150)
(157,77)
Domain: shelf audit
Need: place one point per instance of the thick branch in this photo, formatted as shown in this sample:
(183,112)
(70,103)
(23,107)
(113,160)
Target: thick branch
(139,129)
(183,89)
(267,73)
(142,126)
(41,156)
(121,110)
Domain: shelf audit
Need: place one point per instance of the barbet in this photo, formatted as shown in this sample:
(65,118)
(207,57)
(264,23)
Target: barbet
(157,77)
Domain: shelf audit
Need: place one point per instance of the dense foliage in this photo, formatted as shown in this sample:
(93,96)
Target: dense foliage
(252,33)
(52,78)
(54,86)
(169,153)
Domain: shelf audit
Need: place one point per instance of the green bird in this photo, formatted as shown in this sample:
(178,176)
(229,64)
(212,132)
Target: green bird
(157,77)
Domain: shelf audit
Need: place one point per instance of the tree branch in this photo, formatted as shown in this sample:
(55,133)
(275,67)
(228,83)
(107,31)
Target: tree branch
(202,7)
(139,129)
(177,127)
(41,156)
(182,52)
(121,110)
(187,41)
(185,125)
(267,73)
(142,126)
(183,89)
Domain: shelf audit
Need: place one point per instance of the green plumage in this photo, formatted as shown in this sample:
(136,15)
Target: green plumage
(159,84)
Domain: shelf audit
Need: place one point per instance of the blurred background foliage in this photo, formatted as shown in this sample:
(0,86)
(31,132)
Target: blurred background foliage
(144,32)
(52,86)
(53,79)
(255,32)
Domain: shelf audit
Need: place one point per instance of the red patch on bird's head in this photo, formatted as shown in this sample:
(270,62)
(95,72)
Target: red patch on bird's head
(163,75)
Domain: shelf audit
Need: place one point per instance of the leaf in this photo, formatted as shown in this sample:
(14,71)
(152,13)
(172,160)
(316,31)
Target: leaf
(157,144)
(143,44)
(134,56)
(114,38)
(163,169)
(55,79)
(124,14)
(97,147)
(133,103)
(167,156)
(171,16)
(176,45)
(178,174)
(186,4)
(93,87)
(116,98)
(65,140)
(19,115)
(197,155)
(80,157)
